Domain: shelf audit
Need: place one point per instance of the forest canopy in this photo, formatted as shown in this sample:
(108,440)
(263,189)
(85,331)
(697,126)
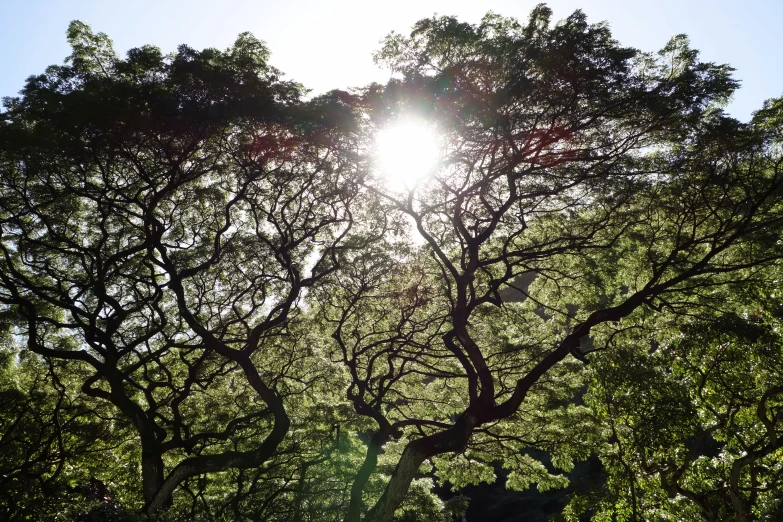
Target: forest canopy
(215,304)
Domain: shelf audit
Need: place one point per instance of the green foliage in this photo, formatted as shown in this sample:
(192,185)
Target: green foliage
(53,439)
(212,307)
(691,411)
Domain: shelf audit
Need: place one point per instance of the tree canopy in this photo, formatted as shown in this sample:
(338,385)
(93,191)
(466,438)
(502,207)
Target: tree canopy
(215,307)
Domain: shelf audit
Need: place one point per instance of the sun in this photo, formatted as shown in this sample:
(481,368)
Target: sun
(407,151)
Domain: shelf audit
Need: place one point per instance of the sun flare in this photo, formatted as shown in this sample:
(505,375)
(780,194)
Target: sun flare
(407,151)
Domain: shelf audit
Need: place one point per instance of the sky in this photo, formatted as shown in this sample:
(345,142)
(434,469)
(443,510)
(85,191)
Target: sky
(329,44)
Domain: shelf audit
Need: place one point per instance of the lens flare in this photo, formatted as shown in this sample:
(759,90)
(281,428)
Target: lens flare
(407,152)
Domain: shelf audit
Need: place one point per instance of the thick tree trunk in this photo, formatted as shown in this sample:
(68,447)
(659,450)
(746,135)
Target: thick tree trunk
(152,476)
(362,476)
(152,467)
(412,458)
(414,454)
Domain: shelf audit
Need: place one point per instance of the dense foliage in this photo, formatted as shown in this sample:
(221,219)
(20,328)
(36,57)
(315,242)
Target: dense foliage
(215,306)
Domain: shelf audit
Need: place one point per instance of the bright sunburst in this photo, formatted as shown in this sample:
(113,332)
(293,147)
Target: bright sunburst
(407,151)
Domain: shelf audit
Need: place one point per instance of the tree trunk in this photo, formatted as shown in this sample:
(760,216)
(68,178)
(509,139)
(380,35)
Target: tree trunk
(415,453)
(412,458)
(362,476)
(300,493)
(741,511)
(151,475)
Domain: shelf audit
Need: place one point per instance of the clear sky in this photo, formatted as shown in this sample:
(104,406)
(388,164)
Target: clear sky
(328,44)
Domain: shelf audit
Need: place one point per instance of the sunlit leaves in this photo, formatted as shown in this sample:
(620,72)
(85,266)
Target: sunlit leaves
(272,333)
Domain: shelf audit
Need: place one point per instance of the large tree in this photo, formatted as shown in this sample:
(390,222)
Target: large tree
(601,183)
(162,218)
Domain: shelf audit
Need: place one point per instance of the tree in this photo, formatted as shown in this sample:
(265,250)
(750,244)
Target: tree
(162,218)
(610,175)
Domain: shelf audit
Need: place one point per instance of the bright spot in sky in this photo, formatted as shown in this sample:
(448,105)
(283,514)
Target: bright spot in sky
(407,151)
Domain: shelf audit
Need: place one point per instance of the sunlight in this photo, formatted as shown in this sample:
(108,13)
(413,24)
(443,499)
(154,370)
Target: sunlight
(407,151)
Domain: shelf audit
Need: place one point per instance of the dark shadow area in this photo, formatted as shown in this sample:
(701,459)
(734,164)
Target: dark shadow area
(496,503)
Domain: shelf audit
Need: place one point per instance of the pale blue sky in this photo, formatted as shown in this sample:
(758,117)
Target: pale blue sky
(328,44)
